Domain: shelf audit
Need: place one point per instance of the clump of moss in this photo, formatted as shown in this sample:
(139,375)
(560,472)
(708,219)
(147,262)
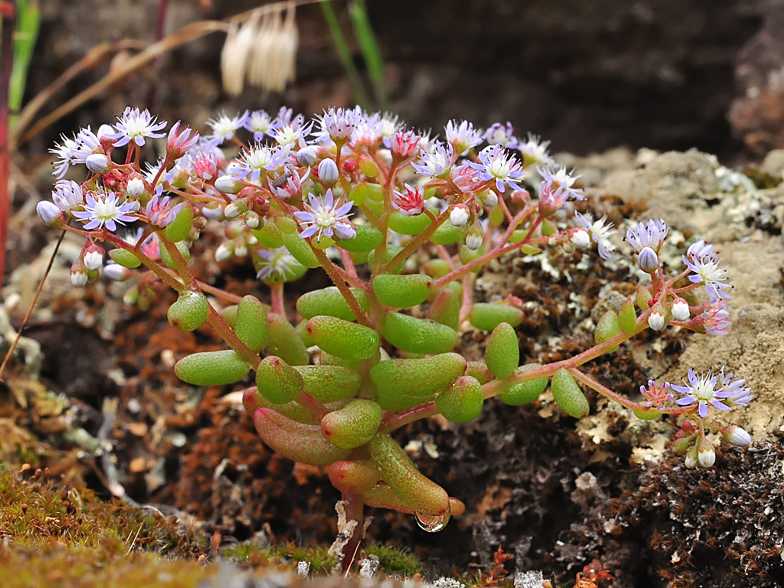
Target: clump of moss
(394,561)
(57,565)
(53,535)
(762,180)
(321,562)
(35,513)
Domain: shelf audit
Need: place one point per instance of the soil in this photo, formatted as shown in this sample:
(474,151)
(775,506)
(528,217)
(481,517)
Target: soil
(92,395)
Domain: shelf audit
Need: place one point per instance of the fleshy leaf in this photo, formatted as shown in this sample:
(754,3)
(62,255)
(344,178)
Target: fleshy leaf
(354,477)
(486,316)
(302,443)
(330,302)
(252,325)
(627,318)
(353,425)
(189,311)
(404,383)
(328,383)
(284,341)
(277,381)
(179,229)
(211,368)
(524,392)
(462,401)
(403,477)
(502,354)
(607,328)
(416,335)
(568,395)
(402,291)
(342,338)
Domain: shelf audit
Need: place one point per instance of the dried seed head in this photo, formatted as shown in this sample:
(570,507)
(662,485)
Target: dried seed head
(262,51)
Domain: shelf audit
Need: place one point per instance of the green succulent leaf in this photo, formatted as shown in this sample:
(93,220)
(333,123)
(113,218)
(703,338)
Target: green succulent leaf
(342,338)
(403,477)
(354,477)
(353,425)
(277,381)
(462,401)
(627,318)
(330,302)
(189,311)
(404,383)
(402,291)
(125,258)
(284,341)
(252,325)
(486,316)
(568,395)
(416,335)
(179,229)
(211,368)
(502,354)
(524,392)
(299,442)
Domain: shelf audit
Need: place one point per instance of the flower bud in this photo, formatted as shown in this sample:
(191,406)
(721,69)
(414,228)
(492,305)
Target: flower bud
(135,187)
(307,156)
(657,320)
(691,458)
(328,172)
(240,251)
(103,131)
(78,274)
(223,252)
(228,185)
(116,272)
(647,260)
(581,239)
(489,198)
(252,219)
(93,258)
(49,213)
(213,213)
(474,237)
(97,163)
(459,215)
(736,436)
(680,310)
(235,209)
(706,455)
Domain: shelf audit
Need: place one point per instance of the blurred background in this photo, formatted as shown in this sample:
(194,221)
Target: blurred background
(663,74)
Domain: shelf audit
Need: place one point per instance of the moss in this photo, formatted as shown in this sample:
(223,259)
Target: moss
(393,560)
(57,565)
(34,513)
(318,557)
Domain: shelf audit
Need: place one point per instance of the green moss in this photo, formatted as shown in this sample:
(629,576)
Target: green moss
(57,565)
(393,560)
(34,513)
(318,557)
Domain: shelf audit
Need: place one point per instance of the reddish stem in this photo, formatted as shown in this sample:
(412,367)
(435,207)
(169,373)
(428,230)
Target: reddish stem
(278,306)
(6,65)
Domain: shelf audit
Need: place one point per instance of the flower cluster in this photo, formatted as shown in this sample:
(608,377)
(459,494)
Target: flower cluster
(397,221)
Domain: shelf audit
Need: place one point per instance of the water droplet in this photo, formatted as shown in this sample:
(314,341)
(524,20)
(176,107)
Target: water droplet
(432,523)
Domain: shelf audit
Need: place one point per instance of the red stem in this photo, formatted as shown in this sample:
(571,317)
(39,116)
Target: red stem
(6,65)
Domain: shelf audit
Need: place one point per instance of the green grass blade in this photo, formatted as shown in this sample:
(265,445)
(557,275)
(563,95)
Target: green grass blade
(341,46)
(368,44)
(27,27)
